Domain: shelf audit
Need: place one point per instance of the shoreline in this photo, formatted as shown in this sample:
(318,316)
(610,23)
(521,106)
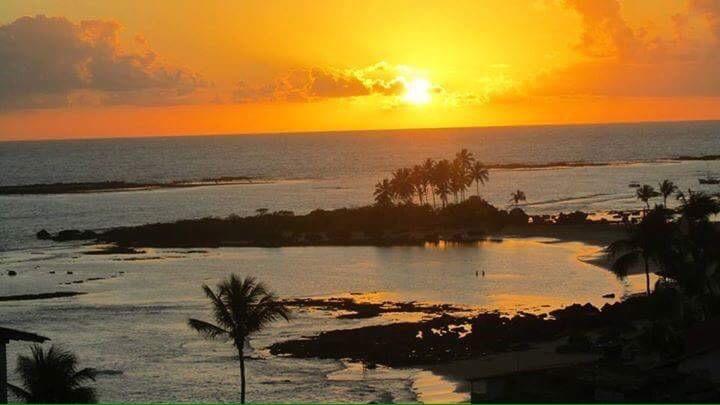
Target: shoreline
(119,186)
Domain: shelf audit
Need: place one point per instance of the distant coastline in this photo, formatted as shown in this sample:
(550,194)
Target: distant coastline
(114,186)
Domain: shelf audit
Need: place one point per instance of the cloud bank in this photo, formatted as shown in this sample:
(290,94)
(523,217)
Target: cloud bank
(52,62)
(312,84)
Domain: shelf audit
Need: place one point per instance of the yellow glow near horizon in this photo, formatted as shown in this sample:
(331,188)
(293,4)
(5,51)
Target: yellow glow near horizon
(417,91)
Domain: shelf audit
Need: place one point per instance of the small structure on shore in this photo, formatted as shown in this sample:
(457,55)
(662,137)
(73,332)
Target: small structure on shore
(6,336)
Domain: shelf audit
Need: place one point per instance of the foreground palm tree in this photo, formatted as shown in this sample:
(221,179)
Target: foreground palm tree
(517,196)
(667,188)
(52,376)
(479,173)
(650,242)
(240,308)
(645,194)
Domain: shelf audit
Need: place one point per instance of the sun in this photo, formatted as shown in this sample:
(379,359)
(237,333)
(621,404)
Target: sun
(417,91)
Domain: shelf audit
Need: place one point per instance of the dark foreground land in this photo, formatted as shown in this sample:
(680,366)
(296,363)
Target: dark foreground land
(618,353)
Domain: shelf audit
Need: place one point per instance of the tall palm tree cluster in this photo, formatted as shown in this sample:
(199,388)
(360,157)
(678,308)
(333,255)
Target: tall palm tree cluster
(681,244)
(433,181)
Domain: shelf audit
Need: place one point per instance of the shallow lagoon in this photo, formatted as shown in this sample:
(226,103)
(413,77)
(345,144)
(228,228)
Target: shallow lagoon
(133,321)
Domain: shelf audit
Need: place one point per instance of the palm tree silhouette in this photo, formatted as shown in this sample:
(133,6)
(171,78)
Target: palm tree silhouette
(667,188)
(240,308)
(699,246)
(428,166)
(480,174)
(465,158)
(417,178)
(645,194)
(517,196)
(52,376)
(384,194)
(442,172)
(650,241)
(402,185)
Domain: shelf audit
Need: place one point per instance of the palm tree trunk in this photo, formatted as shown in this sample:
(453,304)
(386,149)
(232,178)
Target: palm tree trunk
(242,375)
(477,187)
(647,276)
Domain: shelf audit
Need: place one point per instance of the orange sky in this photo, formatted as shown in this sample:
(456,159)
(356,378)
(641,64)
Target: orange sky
(129,68)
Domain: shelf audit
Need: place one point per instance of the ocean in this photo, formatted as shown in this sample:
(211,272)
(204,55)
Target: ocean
(131,324)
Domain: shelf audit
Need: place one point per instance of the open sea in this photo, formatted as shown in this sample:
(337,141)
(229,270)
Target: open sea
(132,322)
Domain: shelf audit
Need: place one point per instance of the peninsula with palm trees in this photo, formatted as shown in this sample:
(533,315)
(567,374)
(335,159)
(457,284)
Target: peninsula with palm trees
(424,203)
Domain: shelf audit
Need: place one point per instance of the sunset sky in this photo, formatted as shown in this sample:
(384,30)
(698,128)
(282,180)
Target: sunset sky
(81,68)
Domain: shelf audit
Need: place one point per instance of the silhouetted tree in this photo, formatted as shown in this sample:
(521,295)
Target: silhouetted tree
(645,194)
(667,188)
(240,308)
(417,178)
(402,185)
(480,174)
(52,376)
(517,196)
(428,166)
(650,241)
(442,172)
(383,194)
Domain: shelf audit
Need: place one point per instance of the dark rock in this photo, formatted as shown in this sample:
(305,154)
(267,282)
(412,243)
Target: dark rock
(611,295)
(12,273)
(43,235)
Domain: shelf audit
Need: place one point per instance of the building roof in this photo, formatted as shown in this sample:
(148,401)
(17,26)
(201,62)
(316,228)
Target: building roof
(7,334)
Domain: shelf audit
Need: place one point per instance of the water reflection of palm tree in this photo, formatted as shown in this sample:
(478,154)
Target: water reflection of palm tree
(52,376)
(240,308)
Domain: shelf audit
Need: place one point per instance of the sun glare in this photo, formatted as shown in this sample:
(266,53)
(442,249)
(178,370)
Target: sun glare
(417,91)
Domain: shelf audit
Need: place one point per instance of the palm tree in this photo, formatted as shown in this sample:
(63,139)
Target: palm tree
(650,241)
(428,166)
(667,188)
(458,179)
(645,194)
(480,174)
(384,194)
(517,196)
(417,178)
(464,160)
(442,172)
(52,376)
(240,308)
(701,239)
(402,185)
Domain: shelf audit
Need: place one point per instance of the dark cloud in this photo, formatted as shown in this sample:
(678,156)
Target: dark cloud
(317,84)
(47,61)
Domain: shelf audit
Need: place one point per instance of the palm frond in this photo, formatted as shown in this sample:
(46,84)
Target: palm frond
(208,330)
(19,393)
(220,311)
(623,264)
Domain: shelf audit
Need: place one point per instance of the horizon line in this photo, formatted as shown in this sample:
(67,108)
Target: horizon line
(351,131)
